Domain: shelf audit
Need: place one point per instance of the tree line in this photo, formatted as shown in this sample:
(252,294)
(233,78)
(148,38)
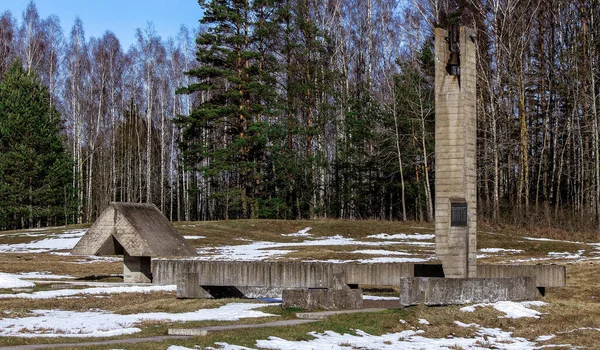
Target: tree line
(321,109)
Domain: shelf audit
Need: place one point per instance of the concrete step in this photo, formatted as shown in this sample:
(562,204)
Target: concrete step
(324,314)
(202,331)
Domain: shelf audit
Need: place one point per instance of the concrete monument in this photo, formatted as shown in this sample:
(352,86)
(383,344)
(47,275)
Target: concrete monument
(455,151)
(136,231)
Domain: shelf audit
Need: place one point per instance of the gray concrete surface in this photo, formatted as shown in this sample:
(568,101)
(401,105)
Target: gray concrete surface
(456,155)
(458,291)
(323,299)
(321,315)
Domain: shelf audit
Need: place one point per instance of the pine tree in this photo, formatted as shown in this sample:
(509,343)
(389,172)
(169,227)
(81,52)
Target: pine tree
(34,167)
(224,136)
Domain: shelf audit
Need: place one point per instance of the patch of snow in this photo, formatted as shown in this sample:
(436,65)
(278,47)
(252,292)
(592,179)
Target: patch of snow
(62,241)
(510,309)
(9,280)
(62,293)
(43,275)
(301,233)
(269,250)
(391,260)
(567,255)
(545,337)
(98,323)
(380,252)
(500,250)
(423,321)
(374,260)
(225,346)
(403,236)
(408,339)
(194,237)
(550,240)
(376,297)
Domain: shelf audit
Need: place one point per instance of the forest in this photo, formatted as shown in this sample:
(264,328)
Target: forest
(296,109)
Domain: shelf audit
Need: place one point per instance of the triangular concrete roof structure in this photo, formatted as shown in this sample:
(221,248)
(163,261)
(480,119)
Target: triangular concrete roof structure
(133,228)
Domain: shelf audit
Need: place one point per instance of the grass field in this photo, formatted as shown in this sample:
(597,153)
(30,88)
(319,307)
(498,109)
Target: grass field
(570,318)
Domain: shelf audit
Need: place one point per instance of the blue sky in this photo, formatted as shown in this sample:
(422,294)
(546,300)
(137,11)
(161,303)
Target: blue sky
(122,17)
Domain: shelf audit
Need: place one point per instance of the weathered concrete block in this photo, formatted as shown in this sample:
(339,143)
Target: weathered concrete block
(543,275)
(325,299)
(188,286)
(136,269)
(457,291)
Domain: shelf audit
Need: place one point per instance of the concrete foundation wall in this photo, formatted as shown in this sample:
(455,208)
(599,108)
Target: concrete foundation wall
(267,279)
(253,273)
(543,275)
(457,291)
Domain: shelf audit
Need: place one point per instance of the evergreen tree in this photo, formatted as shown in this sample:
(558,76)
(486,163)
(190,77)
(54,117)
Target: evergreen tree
(34,167)
(223,136)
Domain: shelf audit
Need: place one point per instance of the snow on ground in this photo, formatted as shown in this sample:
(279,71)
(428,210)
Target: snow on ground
(510,309)
(403,236)
(496,251)
(376,297)
(380,252)
(550,240)
(8,280)
(194,237)
(12,280)
(88,259)
(99,323)
(63,293)
(409,339)
(265,250)
(567,255)
(301,233)
(45,275)
(500,250)
(61,241)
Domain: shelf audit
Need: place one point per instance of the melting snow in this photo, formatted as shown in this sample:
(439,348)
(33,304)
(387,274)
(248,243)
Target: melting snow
(423,321)
(380,252)
(49,294)
(42,276)
(194,237)
(11,280)
(8,280)
(62,241)
(510,309)
(500,250)
(376,297)
(265,250)
(409,339)
(98,323)
(545,337)
(403,236)
(301,233)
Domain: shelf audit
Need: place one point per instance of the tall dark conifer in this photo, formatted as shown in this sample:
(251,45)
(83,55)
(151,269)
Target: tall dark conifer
(221,133)
(34,167)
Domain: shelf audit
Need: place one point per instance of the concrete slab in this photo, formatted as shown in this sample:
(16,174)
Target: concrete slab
(325,314)
(543,275)
(203,331)
(458,291)
(323,299)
